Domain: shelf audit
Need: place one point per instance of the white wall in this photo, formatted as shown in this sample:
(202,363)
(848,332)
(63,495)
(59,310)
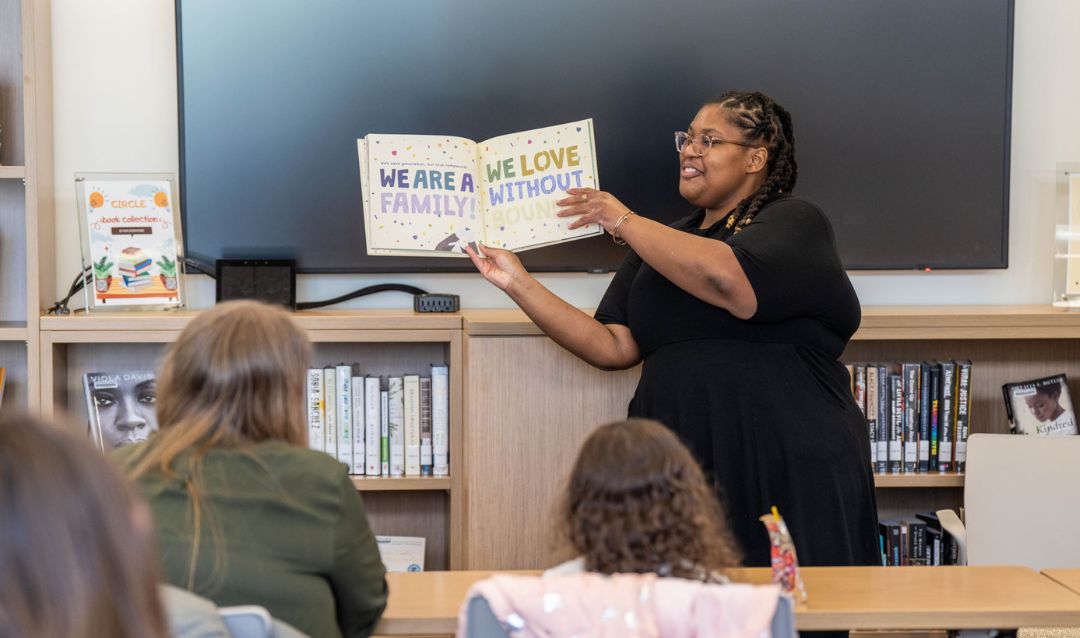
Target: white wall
(114,70)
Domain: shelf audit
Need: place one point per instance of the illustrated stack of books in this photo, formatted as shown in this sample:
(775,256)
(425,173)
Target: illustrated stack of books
(918,414)
(378,425)
(135,267)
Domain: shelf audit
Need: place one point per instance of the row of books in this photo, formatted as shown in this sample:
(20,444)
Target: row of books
(918,541)
(918,414)
(381,426)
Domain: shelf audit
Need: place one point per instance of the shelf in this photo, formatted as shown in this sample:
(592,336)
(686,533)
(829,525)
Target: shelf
(878,323)
(328,322)
(12,172)
(919,480)
(12,331)
(401,484)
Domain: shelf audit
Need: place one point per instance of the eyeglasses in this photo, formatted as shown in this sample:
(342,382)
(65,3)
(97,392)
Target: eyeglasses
(702,143)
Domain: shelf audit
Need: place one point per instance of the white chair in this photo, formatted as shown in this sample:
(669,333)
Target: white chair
(1020,502)
(482,622)
(192,616)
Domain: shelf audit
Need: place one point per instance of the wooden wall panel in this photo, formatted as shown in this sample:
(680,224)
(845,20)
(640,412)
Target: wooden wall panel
(529,405)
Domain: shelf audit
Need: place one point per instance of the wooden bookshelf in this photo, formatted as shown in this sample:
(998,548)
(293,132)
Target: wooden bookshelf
(879,323)
(325,321)
(917,480)
(385,343)
(26,192)
(13,331)
(401,484)
(1004,343)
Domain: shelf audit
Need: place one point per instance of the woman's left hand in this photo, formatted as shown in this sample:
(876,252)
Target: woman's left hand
(590,206)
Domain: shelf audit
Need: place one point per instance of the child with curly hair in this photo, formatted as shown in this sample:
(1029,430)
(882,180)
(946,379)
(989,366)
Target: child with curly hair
(637,502)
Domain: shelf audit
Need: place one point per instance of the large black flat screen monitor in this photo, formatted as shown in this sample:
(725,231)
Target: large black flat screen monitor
(901,112)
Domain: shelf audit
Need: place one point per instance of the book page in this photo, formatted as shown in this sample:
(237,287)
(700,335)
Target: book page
(524,174)
(419,194)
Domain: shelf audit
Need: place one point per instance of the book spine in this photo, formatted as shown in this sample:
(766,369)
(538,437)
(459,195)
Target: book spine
(896,545)
(440,419)
(373,433)
(963,413)
(410,392)
(896,423)
(372,415)
(315,409)
(883,423)
(933,545)
(924,417)
(384,448)
(917,543)
(947,417)
(359,421)
(345,418)
(872,418)
(1006,391)
(905,544)
(425,427)
(330,411)
(911,417)
(396,426)
(935,410)
(858,389)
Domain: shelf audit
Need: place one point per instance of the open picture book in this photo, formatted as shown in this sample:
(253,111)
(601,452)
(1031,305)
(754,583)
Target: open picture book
(431,195)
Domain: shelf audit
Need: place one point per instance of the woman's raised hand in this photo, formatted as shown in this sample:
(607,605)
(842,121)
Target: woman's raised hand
(590,206)
(500,267)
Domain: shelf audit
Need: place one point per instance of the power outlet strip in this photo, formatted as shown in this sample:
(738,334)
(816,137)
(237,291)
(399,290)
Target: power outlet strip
(436,303)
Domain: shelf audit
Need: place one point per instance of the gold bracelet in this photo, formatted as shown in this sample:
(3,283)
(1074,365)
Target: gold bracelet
(615,230)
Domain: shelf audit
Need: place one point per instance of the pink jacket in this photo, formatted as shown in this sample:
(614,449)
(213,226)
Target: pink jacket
(625,605)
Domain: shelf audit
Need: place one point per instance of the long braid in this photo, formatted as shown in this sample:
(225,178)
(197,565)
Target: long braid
(762,121)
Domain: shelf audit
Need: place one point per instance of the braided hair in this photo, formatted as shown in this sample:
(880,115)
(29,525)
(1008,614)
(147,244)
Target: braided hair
(762,121)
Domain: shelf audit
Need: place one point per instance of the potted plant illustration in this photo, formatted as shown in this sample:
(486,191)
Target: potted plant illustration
(167,269)
(103,274)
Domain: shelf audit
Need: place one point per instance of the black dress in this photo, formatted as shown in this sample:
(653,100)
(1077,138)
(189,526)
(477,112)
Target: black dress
(764,404)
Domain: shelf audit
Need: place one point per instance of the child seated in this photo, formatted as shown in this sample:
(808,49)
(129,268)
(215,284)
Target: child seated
(637,502)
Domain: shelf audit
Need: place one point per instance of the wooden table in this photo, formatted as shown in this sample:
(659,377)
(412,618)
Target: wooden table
(839,598)
(1068,577)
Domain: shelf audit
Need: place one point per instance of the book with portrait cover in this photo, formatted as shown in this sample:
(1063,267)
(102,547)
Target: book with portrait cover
(1040,406)
(431,195)
(121,407)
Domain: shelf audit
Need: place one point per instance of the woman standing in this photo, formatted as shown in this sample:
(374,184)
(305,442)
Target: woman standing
(739,313)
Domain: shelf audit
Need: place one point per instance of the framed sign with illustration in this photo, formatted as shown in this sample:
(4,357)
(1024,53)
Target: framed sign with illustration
(129,226)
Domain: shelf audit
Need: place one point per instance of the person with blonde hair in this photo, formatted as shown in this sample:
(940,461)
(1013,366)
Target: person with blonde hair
(76,548)
(245,512)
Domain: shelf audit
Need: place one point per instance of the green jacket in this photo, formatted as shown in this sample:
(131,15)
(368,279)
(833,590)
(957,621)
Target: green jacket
(283,527)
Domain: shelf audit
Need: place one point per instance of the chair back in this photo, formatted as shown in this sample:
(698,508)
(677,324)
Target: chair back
(483,622)
(247,621)
(1020,500)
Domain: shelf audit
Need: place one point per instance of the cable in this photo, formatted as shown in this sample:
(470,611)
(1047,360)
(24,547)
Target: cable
(81,280)
(85,278)
(199,267)
(370,290)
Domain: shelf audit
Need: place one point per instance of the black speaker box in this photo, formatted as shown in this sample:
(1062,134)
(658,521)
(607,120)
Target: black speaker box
(269,280)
